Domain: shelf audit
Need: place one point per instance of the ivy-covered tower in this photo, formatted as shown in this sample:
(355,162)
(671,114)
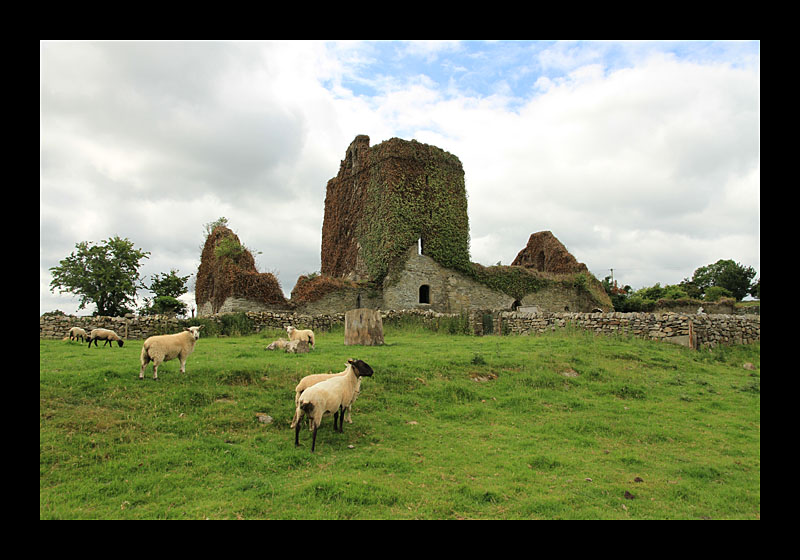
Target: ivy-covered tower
(387,198)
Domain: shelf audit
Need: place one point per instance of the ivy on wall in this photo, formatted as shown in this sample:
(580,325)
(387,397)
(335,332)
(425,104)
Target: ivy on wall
(413,191)
(227,268)
(388,196)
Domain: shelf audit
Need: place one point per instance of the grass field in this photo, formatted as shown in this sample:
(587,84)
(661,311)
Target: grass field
(558,426)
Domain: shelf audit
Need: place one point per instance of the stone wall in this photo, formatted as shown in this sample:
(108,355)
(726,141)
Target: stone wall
(130,327)
(695,331)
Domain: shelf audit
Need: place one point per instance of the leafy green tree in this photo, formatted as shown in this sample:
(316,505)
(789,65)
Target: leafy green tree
(106,274)
(726,274)
(167,289)
(755,289)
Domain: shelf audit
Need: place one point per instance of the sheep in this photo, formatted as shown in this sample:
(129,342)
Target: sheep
(104,334)
(289,346)
(315,378)
(307,335)
(331,396)
(165,347)
(76,332)
(279,344)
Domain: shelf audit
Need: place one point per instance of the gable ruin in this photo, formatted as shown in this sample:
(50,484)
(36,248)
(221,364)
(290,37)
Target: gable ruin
(395,235)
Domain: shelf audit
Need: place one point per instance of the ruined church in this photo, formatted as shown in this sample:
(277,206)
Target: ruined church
(395,235)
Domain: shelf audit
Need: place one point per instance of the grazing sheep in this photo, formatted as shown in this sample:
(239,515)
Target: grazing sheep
(331,396)
(279,344)
(315,378)
(165,347)
(76,332)
(104,334)
(307,335)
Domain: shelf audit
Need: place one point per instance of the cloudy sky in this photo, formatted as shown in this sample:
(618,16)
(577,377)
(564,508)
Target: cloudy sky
(643,157)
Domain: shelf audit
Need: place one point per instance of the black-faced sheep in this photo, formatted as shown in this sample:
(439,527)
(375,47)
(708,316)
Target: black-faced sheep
(76,332)
(104,334)
(165,347)
(331,396)
(315,378)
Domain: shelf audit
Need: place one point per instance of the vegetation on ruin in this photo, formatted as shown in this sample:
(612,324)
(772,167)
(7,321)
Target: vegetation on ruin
(564,425)
(313,287)
(228,268)
(421,194)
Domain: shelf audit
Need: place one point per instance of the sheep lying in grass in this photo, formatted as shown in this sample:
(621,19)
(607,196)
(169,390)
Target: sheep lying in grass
(289,346)
(307,335)
(104,334)
(279,344)
(165,347)
(331,396)
(76,332)
(315,378)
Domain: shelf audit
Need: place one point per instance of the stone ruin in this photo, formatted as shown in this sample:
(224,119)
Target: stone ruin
(395,235)
(545,253)
(387,198)
(228,281)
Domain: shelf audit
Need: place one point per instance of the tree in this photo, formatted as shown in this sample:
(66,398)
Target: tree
(725,274)
(106,274)
(167,289)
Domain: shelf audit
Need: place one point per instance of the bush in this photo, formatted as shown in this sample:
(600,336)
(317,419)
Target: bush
(714,293)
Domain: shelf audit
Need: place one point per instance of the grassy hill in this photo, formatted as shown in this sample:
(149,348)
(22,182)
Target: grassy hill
(558,426)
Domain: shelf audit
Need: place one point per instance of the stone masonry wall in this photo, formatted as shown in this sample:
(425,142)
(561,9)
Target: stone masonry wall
(694,331)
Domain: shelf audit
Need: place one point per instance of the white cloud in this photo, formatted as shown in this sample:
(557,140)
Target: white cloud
(647,162)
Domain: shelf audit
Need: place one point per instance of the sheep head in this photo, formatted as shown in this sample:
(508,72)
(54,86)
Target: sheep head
(195,331)
(362,368)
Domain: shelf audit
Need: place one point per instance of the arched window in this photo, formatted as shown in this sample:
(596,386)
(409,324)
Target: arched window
(424,294)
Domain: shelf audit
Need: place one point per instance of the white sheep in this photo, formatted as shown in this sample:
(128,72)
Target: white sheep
(279,344)
(331,396)
(104,334)
(315,378)
(76,332)
(307,335)
(165,347)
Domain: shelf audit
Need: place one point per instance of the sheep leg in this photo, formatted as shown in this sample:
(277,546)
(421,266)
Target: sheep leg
(341,419)
(297,433)
(314,439)
(335,418)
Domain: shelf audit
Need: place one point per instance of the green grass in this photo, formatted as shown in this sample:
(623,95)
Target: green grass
(557,426)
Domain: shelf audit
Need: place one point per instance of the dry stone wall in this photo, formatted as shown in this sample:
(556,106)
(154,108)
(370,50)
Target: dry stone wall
(129,327)
(692,330)
(695,331)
